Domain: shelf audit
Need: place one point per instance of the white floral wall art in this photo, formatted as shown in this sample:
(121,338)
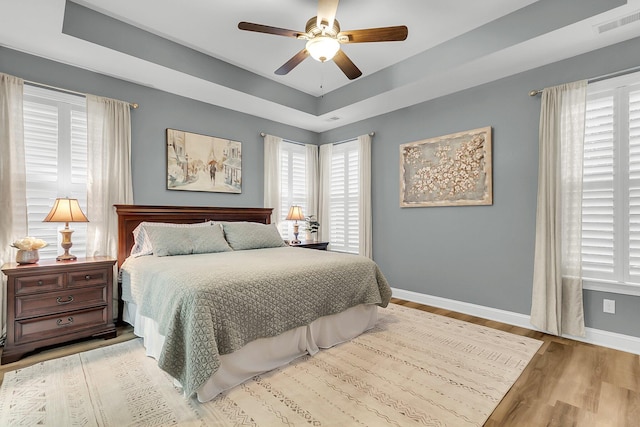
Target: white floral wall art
(450,170)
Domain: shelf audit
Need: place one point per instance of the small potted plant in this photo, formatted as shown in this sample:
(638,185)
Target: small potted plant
(311,226)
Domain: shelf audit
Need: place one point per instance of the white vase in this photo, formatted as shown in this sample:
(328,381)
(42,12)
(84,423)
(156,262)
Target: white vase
(27,257)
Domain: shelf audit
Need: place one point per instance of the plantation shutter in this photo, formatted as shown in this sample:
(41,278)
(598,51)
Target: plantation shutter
(344,197)
(293,181)
(634,185)
(598,215)
(55,138)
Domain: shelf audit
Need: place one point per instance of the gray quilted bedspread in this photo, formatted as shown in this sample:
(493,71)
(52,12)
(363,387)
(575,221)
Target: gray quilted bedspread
(207,305)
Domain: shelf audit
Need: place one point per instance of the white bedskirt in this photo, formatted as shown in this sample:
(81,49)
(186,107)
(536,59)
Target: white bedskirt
(264,354)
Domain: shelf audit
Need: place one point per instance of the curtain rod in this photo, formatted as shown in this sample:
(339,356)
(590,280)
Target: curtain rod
(72,92)
(262,134)
(351,139)
(597,79)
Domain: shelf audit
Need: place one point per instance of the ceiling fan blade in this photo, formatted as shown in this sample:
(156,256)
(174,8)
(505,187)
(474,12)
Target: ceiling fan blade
(293,62)
(346,65)
(259,28)
(327,12)
(383,34)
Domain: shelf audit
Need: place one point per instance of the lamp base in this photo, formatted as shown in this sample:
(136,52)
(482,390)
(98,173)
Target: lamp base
(66,257)
(295,240)
(66,245)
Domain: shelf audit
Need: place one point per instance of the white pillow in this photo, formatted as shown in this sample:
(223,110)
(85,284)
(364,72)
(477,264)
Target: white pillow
(141,242)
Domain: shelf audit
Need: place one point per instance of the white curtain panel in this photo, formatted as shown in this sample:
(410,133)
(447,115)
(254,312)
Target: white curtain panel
(13,199)
(311,154)
(324,191)
(272,176)
(108,171)
(557,303)
(365,237)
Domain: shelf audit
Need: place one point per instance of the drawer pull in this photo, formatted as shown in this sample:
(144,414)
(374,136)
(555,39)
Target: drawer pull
(69,321)
(69,299)
(40,283)
(87,277)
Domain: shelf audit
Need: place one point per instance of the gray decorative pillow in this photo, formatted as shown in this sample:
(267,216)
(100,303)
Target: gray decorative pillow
(252,235)
(167,241)
(142,245)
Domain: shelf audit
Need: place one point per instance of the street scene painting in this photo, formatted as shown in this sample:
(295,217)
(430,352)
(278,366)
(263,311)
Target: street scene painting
(203,163)
(450,170)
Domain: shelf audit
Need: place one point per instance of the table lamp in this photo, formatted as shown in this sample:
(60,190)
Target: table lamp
(66,210)
(295,213)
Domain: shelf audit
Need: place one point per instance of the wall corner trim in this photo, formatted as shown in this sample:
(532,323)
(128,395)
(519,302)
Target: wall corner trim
(600,337)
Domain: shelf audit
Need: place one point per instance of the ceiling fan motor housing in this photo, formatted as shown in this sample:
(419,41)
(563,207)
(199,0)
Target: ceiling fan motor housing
(312,29)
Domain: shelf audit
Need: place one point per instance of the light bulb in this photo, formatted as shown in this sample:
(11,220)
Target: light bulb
(323,48)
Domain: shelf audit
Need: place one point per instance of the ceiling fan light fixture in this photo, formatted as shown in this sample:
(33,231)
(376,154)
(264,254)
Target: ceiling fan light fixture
(323,48)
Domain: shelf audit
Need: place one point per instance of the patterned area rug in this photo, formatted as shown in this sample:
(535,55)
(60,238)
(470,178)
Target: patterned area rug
(413,368)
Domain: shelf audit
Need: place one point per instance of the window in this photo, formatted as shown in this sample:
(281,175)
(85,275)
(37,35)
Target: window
(611,187)
(293,184)
(55,139)
(344,195)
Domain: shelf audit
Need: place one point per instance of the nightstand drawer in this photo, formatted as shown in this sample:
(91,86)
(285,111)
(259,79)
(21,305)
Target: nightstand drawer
(87,277)
(65,323)
(39,283)
(55,302)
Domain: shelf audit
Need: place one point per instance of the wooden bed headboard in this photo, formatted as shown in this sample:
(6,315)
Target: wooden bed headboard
(129,216)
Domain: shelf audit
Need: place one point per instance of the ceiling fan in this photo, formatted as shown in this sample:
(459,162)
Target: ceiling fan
(324,38)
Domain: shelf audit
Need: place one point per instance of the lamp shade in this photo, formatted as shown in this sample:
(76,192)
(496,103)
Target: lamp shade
(295,213)
(323,48)
(66,210)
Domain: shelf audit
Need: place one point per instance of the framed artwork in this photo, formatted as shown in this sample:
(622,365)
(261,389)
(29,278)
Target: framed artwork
(450,170)
(203,163)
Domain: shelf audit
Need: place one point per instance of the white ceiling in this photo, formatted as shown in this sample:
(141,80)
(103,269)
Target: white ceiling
(210,27)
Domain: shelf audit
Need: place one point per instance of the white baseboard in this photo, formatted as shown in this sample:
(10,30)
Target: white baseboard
(593,336)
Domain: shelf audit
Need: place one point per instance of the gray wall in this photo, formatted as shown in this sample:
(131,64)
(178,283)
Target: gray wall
(159,111)
(479,254)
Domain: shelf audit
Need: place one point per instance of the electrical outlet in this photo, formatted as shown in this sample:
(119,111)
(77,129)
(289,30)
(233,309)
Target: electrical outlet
(609,306)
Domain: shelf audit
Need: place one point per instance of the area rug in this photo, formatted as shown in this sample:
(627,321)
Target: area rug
(414,368)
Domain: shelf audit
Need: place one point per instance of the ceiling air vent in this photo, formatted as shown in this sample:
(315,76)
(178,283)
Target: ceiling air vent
(612,25)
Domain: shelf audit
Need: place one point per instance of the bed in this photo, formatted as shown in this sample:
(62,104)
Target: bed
(215,311)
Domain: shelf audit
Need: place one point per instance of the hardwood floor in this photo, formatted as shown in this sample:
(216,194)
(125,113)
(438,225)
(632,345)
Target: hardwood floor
(567,383)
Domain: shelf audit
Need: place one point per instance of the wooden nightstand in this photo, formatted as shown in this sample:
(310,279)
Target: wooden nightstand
(57,301)
(310,244)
